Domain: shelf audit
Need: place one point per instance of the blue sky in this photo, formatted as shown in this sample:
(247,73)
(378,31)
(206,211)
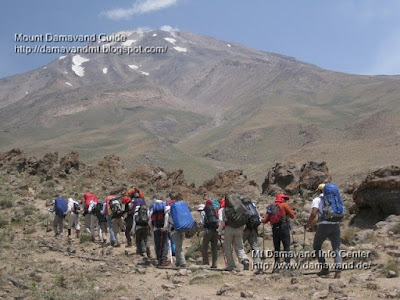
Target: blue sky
(353,36)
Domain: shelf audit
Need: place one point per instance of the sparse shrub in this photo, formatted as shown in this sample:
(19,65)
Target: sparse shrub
(6,203)
(60,281)
(84,238)
(3,222)
(391,265)
(348,235)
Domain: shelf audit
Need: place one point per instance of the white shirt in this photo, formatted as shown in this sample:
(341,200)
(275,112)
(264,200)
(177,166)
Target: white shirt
(319,203)
(71,203)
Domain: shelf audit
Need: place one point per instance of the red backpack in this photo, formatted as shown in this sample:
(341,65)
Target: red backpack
(274,213)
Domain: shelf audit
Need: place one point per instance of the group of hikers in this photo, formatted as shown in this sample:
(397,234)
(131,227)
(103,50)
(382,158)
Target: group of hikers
(234,217)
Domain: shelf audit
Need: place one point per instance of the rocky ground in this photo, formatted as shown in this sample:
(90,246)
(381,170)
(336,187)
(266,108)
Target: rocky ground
(35,265)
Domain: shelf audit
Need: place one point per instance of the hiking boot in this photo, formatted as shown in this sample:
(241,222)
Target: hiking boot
(259,272)
(182,266)
(229,269)
(213,267)
(117,245)
(112,243)
(246,265)
(165,263)
(323,272)
(338,274)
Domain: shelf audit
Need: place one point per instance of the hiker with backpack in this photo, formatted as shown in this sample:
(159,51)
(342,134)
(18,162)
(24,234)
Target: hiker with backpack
(178,220)
(278,215)
(130,208)
(140,228)
(89,200)
(116,212)
(233,218)
(160,236)
(250,233)
(209,221)
(329,208)
(98,211)
(60,210)
(73,217)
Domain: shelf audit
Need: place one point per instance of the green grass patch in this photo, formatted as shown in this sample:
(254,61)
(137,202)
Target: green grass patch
(348,235)
(6,203)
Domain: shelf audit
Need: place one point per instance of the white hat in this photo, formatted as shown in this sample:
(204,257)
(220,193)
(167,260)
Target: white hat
(201,207)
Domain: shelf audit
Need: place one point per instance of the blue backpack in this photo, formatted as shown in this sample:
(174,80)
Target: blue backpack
(333,209)
(60,206)
(183,219)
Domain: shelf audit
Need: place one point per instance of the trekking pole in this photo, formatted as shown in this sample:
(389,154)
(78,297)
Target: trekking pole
(223,251)
(47,223)
(263,252)
(294,244)
(161,244)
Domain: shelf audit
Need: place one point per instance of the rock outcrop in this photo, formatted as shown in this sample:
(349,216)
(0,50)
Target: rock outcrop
(378,196)
(230,181)
(293,180)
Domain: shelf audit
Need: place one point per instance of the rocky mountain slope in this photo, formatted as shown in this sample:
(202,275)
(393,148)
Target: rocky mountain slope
(204,106)
(38,266)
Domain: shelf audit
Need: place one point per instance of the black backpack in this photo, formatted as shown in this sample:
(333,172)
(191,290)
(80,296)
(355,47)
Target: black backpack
(97,211)
(254,216)
(142,217)
(210,217)
(235,212)
(76,208)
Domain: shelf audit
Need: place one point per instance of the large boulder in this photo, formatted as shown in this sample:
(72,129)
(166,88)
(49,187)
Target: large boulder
(230,181)
(158,182)
(293,180)
(70,162)
(283,177)
(311,175)
(378,196)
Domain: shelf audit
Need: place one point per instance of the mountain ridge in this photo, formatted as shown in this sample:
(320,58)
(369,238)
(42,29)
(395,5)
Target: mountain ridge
(215,105)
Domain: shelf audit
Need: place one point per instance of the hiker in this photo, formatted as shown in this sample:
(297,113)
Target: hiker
(108,214)
(130,208)
(250,233)
(115,209)
(233,218)
(160,237)
(328,224)
(278,215)
(140,228)
(98,211)
(176,235)
(209,221)
(60,210)
(73,217)
(134,192)
(88,200)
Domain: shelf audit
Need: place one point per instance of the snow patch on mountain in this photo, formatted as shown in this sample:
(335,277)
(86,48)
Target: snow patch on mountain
(105,70)
(67,83)
(77,61)
(128,43)
(155,34)
(229,45)
(145,73)
(133,67)
(62,57)
(170,40)
(180,49)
